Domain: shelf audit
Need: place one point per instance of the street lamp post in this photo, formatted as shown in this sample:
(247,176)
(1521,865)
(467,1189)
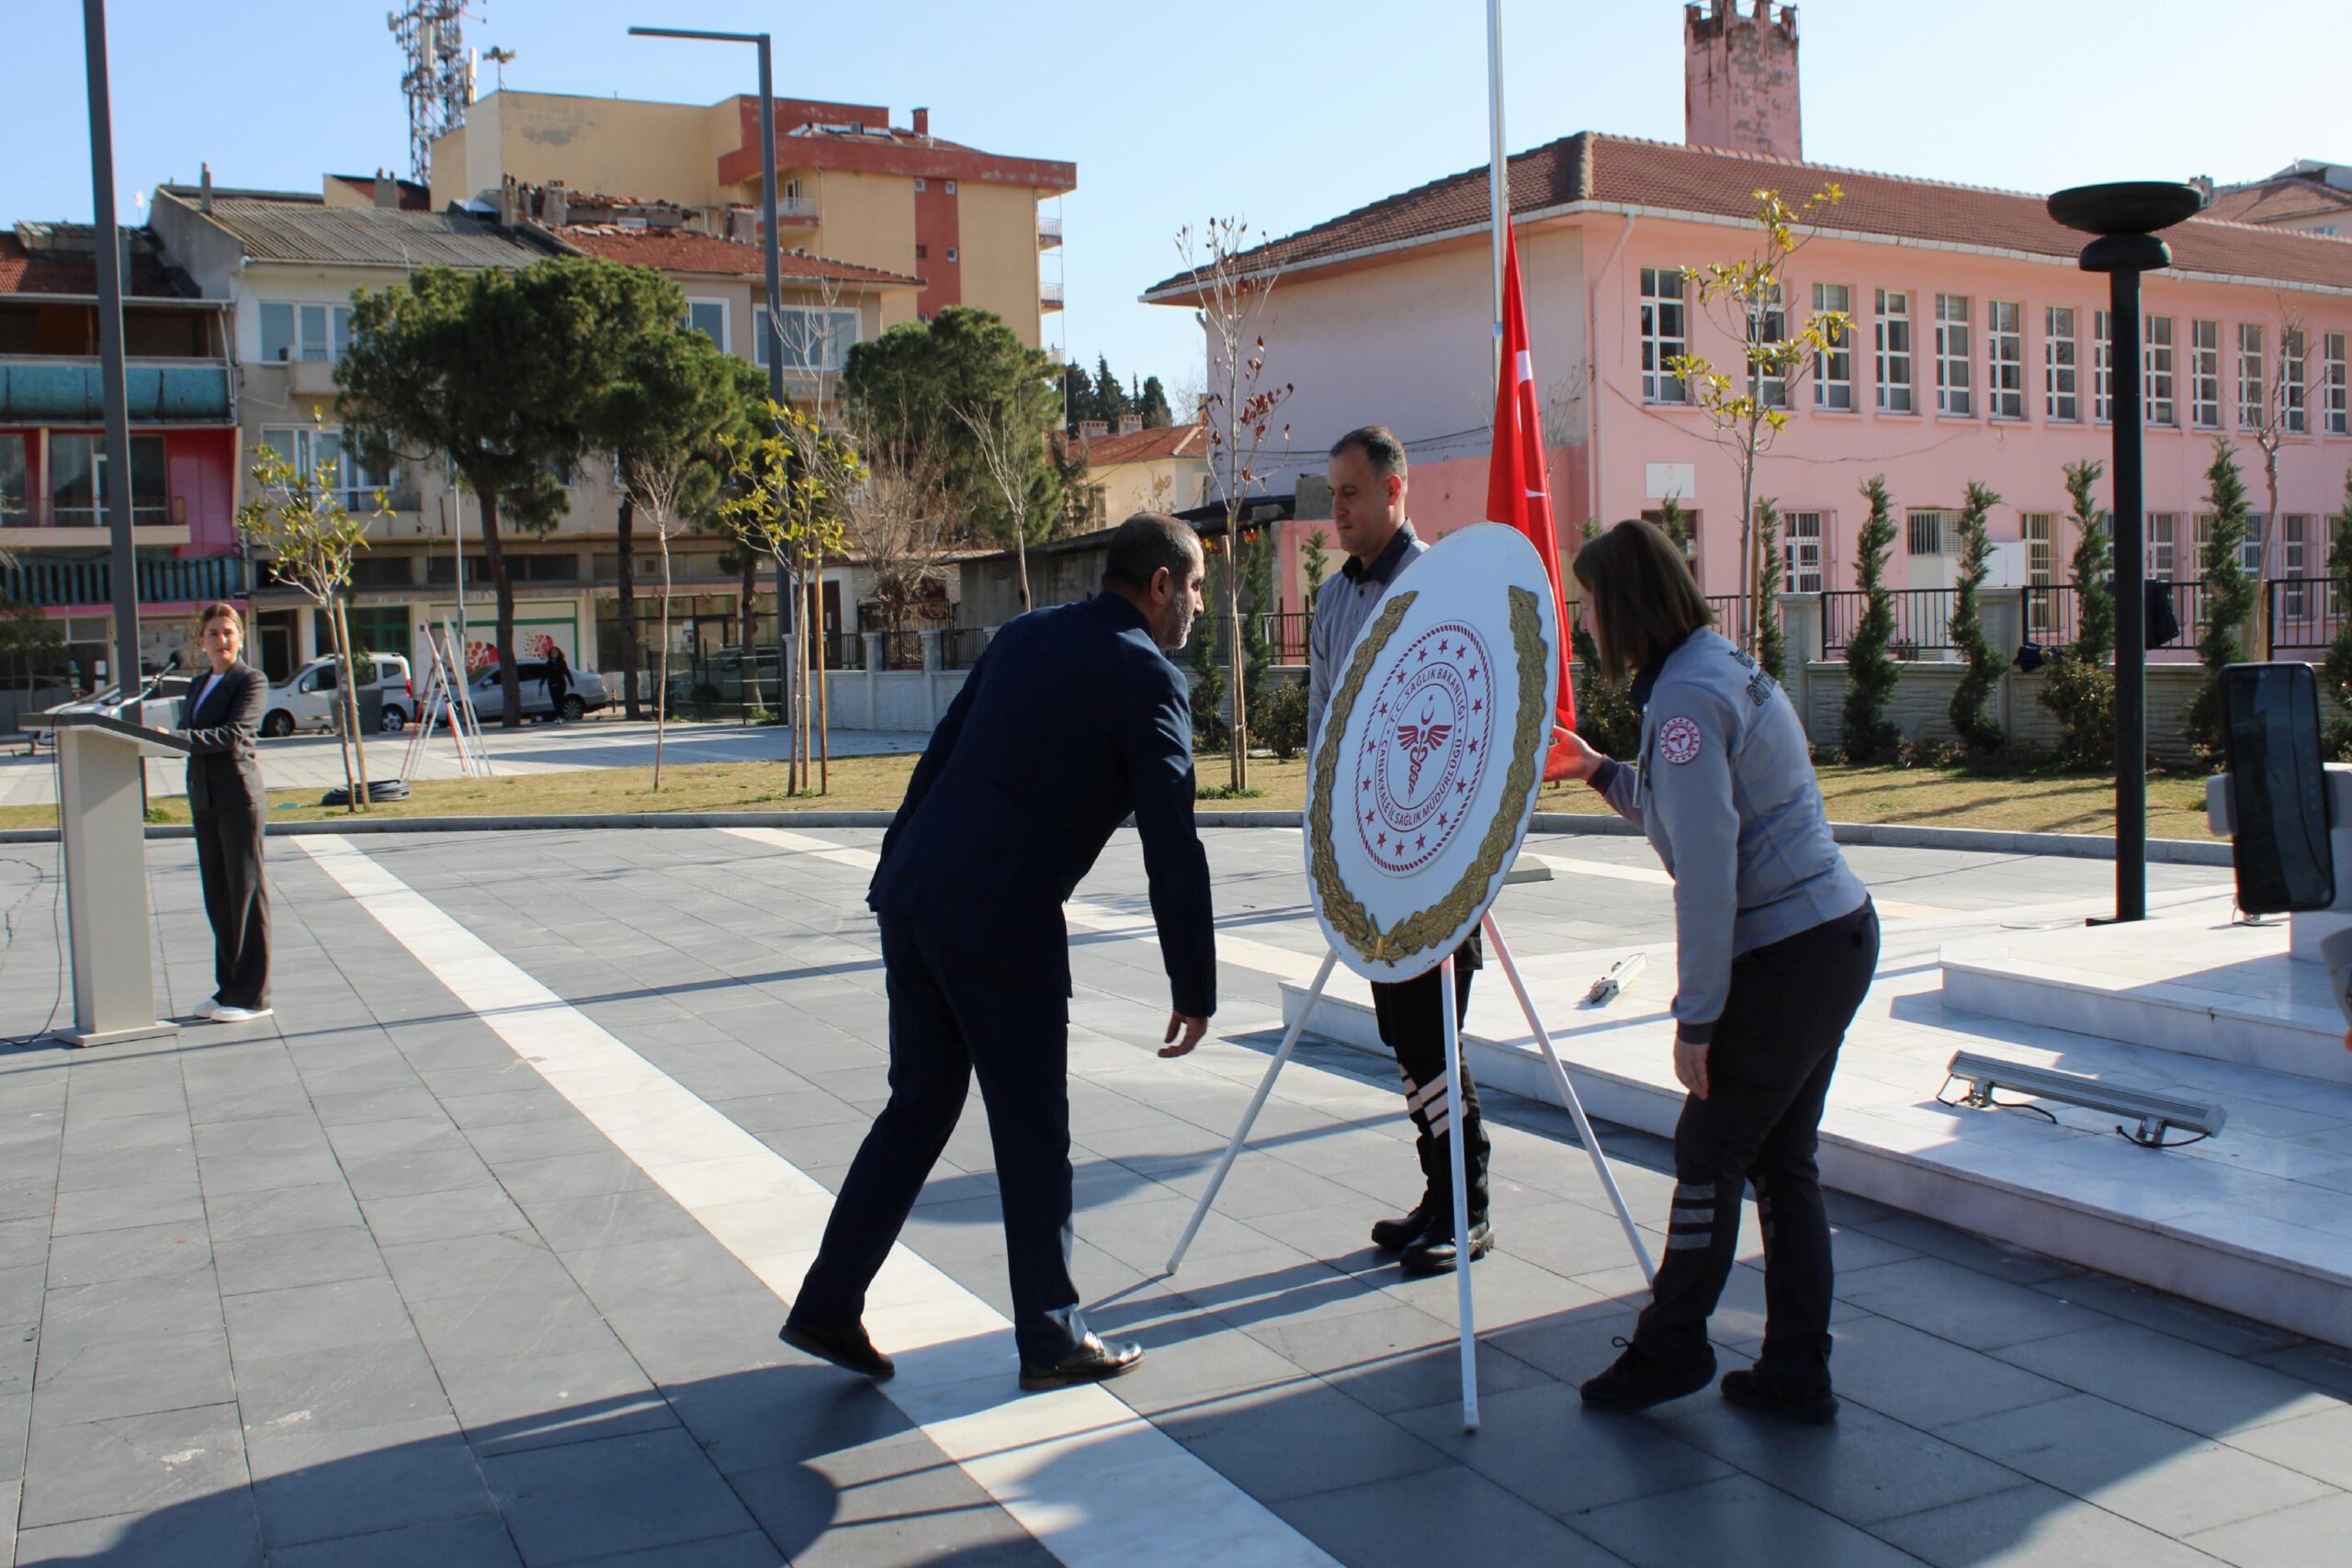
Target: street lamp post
(773,341)
(109,245)
(2125,217)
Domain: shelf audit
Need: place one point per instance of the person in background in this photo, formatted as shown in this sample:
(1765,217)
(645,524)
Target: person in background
(1776,940)
(559,681)
(219,717)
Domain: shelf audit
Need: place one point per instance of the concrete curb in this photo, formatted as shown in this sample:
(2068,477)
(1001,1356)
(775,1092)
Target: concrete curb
(1876,835)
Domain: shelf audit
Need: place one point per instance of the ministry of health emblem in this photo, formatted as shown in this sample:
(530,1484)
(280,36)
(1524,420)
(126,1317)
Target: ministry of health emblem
(1421,758)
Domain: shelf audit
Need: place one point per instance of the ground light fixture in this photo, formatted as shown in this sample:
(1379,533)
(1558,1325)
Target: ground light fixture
(2155,1114)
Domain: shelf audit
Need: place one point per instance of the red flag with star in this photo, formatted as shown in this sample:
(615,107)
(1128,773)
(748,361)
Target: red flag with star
(1518,493)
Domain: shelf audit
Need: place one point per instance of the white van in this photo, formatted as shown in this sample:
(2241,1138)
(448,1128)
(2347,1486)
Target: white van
(306,699)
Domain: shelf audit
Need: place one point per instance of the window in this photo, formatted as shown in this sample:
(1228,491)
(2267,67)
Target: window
(2061,373)
(1665,335)
(813,339)
(923,252)
(2334,409)
(1892,329)
(2004,359)
(1801,550)
(708,317)
(2163,563)
(951,187)
(2291,407)
(1767,323)
(16,509)
(1833,371)
(308,446)
(2250,400)
(2205,375)
(77,470)
(2103,365)
(1933,532)
(2249,548)
(2157,361)
(1952,355)
(2041,551)
(2294,562)
(919,185)
(313,334)
(951,253)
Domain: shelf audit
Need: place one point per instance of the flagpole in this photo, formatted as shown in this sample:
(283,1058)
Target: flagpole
(1498,173)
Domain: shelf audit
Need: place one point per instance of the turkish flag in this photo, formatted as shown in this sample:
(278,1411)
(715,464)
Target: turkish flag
(1517,490)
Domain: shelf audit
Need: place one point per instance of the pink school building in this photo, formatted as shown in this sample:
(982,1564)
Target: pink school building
(1978,350)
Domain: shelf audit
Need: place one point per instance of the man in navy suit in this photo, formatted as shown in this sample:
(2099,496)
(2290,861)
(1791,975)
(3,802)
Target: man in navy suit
(1071,720)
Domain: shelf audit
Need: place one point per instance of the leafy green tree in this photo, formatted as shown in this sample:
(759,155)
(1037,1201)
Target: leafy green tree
(1077,396)
(1978,729)
(920,380)
(498,371)
(1771,643)
(2229,596)
(2080,687)
(1209,729)
(1871,671)
(1111,400)
(1152,404)
(1258,648)
(1311,564)
(1675,522)
(2337,668)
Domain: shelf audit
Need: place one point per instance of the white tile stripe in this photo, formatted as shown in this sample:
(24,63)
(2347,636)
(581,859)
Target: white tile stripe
(1094,1483)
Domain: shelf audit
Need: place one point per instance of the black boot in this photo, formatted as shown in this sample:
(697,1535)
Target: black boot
(1434,1252)
(1791,1397)
(1395,1235)
(1638,1381)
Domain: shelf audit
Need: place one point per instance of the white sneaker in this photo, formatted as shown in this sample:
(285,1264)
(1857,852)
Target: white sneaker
(211,1008)
(223,1014)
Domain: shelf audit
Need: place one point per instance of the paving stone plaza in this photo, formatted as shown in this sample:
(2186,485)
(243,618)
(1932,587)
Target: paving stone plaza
(475,1254)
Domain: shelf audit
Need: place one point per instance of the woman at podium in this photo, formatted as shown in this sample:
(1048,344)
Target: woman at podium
(220,717)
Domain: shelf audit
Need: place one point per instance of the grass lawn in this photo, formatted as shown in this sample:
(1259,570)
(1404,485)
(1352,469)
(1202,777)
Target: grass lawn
(1941,797)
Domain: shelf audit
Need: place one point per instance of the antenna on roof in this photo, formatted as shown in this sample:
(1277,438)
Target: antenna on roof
(439,79)
(499,57)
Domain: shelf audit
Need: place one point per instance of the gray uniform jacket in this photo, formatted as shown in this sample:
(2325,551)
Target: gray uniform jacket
(1726,792)
(1342,605)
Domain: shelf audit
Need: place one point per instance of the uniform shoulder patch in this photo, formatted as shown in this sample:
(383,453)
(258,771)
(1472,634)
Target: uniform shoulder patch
(1759,688)
(1679,740)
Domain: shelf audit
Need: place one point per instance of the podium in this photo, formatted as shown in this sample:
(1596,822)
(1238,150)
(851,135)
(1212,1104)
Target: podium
(102,806)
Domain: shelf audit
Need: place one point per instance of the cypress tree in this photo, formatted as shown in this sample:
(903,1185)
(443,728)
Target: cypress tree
(1977,728)
(2229,597)
(1871,673)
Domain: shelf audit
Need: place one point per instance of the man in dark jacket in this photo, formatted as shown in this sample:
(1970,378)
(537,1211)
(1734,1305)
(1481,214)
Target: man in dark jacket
(1072,719)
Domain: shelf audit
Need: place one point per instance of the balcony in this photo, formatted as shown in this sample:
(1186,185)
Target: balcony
(1049,296)
(795,210)
(62,391)
(59,583)
(1049,233)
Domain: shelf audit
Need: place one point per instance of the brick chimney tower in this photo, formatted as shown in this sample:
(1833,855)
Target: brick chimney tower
(1739,78)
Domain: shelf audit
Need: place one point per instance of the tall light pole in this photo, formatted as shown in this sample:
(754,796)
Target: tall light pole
(116,500)
(2126,216)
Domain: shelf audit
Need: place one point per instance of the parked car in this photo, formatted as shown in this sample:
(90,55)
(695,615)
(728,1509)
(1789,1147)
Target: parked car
(306,699)
(587,695)
(727,676)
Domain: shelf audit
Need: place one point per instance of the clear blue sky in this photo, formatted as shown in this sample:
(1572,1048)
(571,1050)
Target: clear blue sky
(1284,112)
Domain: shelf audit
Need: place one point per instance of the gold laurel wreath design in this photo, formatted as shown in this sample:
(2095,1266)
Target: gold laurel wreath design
(1429,928)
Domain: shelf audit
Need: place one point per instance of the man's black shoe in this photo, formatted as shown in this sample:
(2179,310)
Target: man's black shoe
(1795,1399)
(851,1351)
(1395,1235)
(1433,1252)
(1636,1382)
(1095,1360)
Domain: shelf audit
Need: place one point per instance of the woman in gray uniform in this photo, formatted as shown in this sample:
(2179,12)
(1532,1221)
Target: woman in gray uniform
(1775,944)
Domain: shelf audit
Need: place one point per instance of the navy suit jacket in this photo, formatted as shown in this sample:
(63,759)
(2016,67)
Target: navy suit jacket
(1070,720)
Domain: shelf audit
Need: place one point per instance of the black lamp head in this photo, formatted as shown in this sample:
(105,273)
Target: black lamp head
(2126,206)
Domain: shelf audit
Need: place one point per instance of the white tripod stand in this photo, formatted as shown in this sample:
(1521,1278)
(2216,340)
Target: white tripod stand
(1453,1145)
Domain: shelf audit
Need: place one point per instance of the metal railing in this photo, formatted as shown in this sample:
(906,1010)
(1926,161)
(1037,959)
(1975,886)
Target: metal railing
(2306,613)
(960,647)
(1922,620)
(1049,293)
(56,583)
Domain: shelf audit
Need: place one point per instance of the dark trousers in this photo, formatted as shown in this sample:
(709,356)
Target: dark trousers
(236,900)
(1412,1024)
(1768,1076)
(952,1016)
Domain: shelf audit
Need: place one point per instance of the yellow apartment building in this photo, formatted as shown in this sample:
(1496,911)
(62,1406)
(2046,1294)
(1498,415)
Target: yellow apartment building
(850,186)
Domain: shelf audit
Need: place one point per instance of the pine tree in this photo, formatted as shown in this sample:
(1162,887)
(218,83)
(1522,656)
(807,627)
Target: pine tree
(2229,597)
(1675,522)
(1606,718)
(1871,674)
(2080,688)
(2337,668)
(1208,676)
(1977,728)
(1153,405)
(1110,403)
(1078,395)
(1771,643)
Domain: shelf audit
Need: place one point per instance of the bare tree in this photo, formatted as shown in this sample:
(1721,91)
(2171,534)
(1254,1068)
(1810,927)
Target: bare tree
(2274,403)
(901,519)
(656,482)
(1002,449)
(1238,413)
